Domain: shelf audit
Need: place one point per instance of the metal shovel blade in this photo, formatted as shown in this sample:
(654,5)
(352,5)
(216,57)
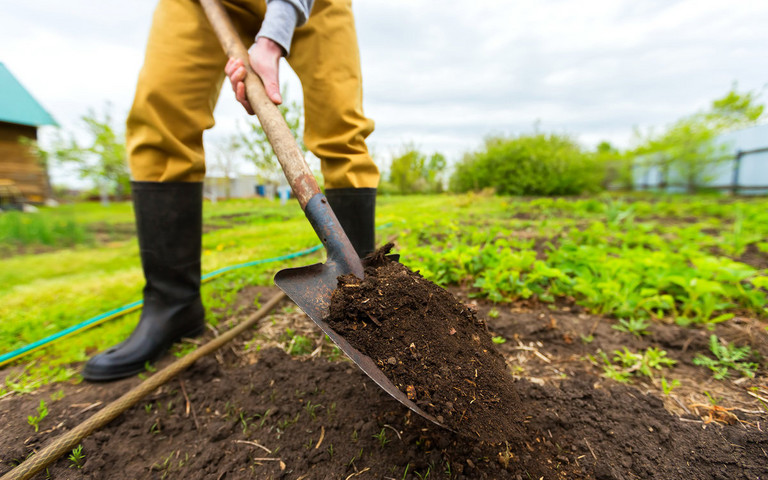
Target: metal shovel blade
(310,288)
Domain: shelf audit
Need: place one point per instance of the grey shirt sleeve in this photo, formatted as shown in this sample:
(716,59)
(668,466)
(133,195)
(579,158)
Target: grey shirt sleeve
(282,18)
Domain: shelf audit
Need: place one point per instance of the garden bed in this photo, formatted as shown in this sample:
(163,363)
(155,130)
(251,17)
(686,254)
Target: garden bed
(258,412)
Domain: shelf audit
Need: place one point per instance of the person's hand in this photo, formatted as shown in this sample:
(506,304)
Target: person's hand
(264,57)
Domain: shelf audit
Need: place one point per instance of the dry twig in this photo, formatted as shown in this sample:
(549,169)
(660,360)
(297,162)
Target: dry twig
(590,448)
(189,407)
(248,442)
(357,473)
(322,436)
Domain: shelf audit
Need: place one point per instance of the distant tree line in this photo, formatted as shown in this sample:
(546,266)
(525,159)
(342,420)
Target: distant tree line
(555,164)
(526,164)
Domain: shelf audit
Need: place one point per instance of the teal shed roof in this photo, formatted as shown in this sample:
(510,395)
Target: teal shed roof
(17,105)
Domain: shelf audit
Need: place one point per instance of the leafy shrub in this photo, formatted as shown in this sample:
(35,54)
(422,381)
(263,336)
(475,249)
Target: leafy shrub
(539,164)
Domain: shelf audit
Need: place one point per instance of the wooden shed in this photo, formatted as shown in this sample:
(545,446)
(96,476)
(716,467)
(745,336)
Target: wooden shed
(20,116)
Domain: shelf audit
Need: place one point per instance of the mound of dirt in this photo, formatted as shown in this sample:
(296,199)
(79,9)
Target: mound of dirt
(430,345)
(260,413)
(284,418)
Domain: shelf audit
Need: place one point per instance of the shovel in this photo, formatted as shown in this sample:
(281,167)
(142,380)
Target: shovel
(309,287)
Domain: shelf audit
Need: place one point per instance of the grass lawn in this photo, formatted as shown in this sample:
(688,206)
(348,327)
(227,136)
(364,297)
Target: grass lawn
(695,261)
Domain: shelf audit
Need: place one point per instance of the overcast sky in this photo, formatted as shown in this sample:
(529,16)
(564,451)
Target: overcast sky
(443,74)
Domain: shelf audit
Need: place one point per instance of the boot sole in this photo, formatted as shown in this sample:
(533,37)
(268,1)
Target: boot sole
(134,370)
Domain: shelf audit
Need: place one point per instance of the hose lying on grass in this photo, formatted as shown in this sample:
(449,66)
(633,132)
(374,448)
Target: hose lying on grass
(67,441)
(132,307)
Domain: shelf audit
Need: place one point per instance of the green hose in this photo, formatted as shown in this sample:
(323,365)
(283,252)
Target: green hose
(131,307)
(67,441)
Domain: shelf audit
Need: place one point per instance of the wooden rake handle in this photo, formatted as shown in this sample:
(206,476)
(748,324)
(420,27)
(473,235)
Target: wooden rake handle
(288,153)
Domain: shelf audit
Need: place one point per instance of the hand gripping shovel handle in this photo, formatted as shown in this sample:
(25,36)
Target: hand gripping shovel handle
(287,150)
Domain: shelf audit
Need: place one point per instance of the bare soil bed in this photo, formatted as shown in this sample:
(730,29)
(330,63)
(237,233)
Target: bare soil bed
(261,413)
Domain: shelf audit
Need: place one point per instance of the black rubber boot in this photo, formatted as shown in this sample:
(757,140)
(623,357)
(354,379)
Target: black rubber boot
(356,210)
(169,226)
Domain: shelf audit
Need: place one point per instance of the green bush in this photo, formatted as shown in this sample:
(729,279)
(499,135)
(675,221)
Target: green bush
(539,164)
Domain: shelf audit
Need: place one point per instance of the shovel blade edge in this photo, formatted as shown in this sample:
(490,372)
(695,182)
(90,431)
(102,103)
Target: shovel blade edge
(311,288)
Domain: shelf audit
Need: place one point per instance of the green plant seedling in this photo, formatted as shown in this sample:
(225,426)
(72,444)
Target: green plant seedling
(297,344)
(381,437)
(727,357)
(423,476)
(615,373)
(643,363)
(635,326)
(42,412)
(330,411)
(667,387)
(357,456)
(244,422)
(184,349)
(77,457)
(714,401)
(312,409)
(493,313)
(626,363)
(654,359)
(499,340)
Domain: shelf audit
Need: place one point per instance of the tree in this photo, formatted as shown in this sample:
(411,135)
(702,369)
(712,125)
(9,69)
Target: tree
(434,172)
(256,147)
(413,172)
(618,168)
(224,159)
(687,150)
(101,159)
(735,110)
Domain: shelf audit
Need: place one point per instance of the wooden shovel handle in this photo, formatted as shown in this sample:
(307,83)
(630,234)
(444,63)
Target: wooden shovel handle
(288,153)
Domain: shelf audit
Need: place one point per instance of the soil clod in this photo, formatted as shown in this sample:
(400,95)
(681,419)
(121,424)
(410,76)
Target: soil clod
(430,345)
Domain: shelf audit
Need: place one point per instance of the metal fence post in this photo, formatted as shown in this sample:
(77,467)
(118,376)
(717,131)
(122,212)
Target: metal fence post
(736,168)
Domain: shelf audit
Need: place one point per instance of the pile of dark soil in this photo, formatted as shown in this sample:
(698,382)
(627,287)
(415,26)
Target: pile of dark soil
(284,418)
(263,414)
(430,345)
